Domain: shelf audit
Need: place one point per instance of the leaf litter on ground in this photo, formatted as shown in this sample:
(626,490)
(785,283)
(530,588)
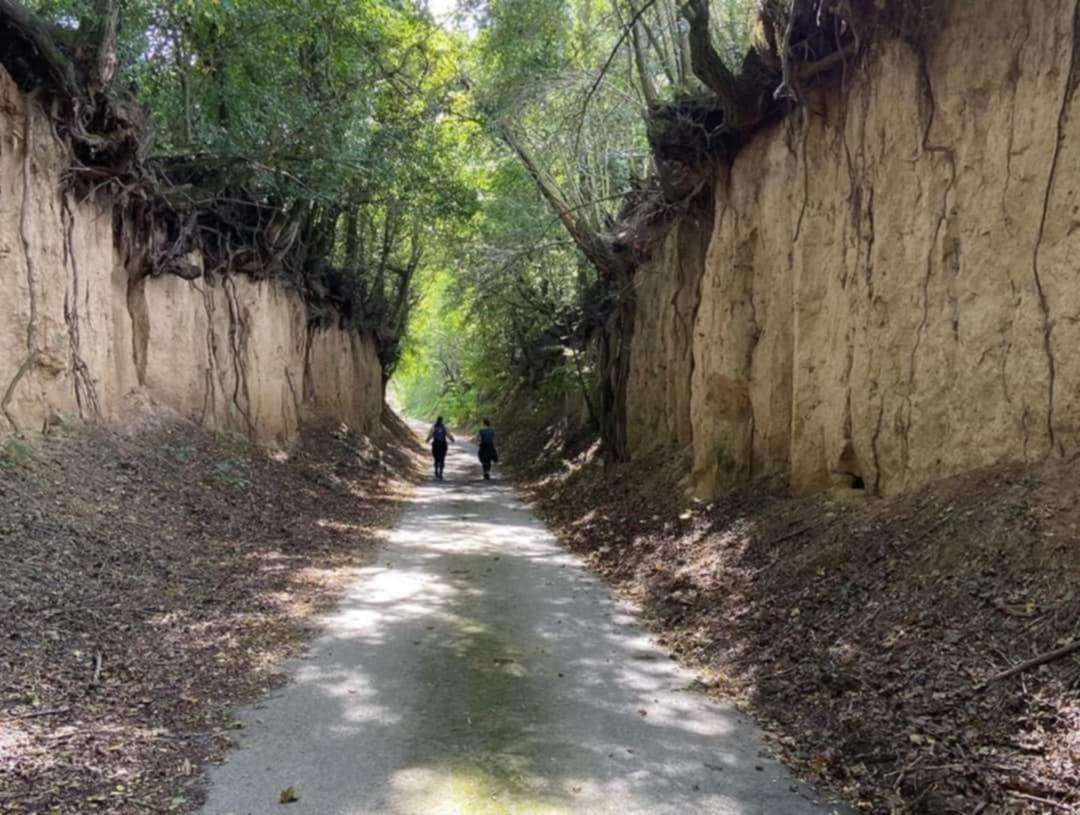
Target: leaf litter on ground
(867,635)
(154,581)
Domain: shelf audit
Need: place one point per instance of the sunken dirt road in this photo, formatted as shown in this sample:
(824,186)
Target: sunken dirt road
(475,667)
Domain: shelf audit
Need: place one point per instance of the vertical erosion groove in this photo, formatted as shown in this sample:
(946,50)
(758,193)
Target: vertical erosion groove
(950,156)
(32,350)
(238,341)
(706,240)
(24,224)
(209,410)
(1044,305)
(85,389)
(139,314)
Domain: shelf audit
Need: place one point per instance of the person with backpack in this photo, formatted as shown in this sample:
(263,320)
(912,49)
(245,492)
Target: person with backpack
(488,454)
(439,437)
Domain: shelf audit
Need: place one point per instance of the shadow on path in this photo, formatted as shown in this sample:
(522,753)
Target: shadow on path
(477,668)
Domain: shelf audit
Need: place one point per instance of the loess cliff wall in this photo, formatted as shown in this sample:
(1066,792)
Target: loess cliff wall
(661,354)
(79,339)
(888,290)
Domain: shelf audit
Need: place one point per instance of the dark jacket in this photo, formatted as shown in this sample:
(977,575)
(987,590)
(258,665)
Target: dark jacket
(487,445)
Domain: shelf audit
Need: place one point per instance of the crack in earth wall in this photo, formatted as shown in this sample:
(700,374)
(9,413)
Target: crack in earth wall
(1044,305)
(32,350)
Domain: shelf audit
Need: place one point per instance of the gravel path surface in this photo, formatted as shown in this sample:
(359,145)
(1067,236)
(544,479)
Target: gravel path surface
(477,668)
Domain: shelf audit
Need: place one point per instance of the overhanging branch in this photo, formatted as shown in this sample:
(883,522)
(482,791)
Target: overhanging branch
(587,239)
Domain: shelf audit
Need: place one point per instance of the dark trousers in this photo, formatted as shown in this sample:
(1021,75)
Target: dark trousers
(438,452)
(487,456)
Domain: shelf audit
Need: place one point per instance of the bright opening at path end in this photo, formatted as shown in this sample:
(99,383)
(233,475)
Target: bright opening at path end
(443,10)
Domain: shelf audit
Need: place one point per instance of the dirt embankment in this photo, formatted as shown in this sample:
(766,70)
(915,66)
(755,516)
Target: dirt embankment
(860,632)
(82,335)
(153,581)
(883,289)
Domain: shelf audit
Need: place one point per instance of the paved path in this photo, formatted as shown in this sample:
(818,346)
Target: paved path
(477,669)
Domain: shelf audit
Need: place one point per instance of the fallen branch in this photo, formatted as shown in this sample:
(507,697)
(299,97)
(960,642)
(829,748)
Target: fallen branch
(1035,799)
(930,530)
(40,714)
(1034,662)
(818,527)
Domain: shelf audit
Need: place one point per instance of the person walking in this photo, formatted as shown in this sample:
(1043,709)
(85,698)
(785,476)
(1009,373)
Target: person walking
(487,453)
(439,438)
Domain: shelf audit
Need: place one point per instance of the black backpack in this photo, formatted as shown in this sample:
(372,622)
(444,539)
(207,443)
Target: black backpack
(439,434)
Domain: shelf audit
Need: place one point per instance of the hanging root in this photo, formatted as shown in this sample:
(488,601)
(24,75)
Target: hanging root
(25,368)
(85,390)
(32,350)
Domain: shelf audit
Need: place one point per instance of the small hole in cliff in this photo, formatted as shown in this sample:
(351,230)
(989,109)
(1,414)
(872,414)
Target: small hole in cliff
(848,471)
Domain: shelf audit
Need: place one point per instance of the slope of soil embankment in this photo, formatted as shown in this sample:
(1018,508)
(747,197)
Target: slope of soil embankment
(881,289)
(151,581)
(861,631)
(87,333)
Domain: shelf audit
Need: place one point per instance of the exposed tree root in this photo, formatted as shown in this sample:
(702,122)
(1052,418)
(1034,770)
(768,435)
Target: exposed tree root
(210,396)
(238,343)
(85,389)
(1044,306)
(9,394)
(32,350)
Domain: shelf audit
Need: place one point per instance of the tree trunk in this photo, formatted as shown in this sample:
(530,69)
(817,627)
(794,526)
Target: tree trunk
(104,26)
(594,420)
(648,87)
(640,54)
(614,364)
(352,241)
(185,92)
(671,70)
(709,67)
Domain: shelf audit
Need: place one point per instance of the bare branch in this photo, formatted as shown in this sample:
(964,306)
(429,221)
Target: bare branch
(586,239)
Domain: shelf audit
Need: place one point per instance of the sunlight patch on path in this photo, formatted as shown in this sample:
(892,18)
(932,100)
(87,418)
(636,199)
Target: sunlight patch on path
(477,668)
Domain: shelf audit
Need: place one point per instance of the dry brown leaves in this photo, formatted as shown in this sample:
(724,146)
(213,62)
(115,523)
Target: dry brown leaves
(150,583)
(859,631)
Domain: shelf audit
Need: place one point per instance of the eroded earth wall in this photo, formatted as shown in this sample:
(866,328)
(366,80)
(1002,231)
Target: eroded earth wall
(79,339)
(667,291)
(890,292)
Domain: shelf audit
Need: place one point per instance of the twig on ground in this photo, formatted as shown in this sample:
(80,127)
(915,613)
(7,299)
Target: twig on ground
(40,714)
(930,530)
(1034,662)
(801,531)
(902,773)
(1035,799)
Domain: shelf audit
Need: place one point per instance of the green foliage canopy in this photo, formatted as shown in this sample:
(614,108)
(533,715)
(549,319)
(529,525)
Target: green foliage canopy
(567,83)
(443,167)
